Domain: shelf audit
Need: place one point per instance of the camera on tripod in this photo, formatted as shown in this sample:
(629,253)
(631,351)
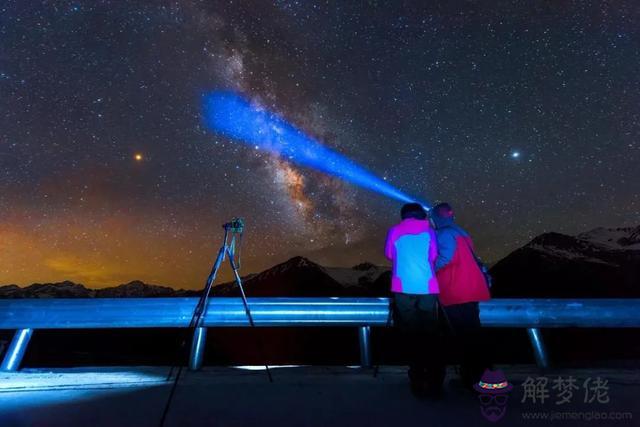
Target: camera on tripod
(230,248)
(236,225)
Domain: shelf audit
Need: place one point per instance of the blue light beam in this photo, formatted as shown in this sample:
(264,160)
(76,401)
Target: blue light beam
(234,117)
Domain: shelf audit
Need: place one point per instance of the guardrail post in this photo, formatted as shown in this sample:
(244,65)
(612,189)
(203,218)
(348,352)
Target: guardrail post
(197,348)
(364,335)
(16,351)
(539,350)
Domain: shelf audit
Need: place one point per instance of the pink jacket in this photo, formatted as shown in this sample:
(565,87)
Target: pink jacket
(458,273)
(412,247)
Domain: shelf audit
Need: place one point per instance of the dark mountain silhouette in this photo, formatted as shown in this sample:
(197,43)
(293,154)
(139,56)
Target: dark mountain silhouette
(304,278)
(64,289)
(136,289)
(295,277)
(69,289)
(602,263)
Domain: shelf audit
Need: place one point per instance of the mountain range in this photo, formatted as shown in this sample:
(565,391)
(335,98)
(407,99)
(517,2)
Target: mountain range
(604,262)
(601,263)
(295,277)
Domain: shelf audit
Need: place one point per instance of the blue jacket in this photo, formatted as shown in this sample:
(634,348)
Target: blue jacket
(447,232)
(457,270)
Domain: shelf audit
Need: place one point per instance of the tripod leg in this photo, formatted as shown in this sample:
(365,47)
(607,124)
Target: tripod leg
(198,333)
(204,298)
(246,304)
(202,303)
(194,323)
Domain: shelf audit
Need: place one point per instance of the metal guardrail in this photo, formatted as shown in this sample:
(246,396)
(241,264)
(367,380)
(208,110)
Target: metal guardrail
(26,315)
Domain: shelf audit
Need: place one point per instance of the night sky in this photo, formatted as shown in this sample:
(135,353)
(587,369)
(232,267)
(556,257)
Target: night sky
(525,115)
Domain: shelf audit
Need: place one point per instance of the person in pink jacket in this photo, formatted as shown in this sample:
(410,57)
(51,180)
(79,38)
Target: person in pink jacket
(462,286)
(411,246)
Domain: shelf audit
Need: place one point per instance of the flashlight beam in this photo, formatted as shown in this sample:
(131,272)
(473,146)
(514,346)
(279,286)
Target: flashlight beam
(234,117)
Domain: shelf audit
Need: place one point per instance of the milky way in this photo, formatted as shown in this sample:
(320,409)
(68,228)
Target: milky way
(524,115)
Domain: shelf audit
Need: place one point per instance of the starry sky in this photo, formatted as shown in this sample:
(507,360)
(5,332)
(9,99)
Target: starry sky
(525,115)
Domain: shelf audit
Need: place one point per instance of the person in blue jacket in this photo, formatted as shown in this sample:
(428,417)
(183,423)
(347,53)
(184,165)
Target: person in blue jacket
(462,286)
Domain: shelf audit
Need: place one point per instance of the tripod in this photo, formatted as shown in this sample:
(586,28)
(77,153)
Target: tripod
(233,231)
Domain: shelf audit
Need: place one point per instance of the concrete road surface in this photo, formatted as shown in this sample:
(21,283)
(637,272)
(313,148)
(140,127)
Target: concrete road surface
(310,396)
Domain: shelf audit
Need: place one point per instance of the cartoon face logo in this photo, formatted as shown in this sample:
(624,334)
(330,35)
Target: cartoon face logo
(493,389)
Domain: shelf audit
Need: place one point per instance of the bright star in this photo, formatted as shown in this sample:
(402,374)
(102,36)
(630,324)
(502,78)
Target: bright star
(515,154)
(138,157)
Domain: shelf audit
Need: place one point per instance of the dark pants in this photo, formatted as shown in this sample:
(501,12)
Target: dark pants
(464,322)
(416,317)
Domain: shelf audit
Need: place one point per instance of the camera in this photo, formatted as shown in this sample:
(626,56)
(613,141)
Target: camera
(236,225)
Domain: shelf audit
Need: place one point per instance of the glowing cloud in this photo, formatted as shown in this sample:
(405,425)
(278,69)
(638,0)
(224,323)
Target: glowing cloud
(236,118)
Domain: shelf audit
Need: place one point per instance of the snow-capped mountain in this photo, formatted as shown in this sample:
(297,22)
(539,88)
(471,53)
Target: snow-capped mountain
(623,238)
(604,262)
(136,289)
(302,277)
(295,277)
(363,274)
(69,289)
(64,289)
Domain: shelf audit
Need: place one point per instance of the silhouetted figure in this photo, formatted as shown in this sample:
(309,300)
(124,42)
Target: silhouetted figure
(412,248)
(462,285)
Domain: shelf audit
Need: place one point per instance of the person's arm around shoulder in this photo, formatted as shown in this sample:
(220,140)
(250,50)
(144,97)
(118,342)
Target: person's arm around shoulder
(388,246)
(433,247)
(446,248)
